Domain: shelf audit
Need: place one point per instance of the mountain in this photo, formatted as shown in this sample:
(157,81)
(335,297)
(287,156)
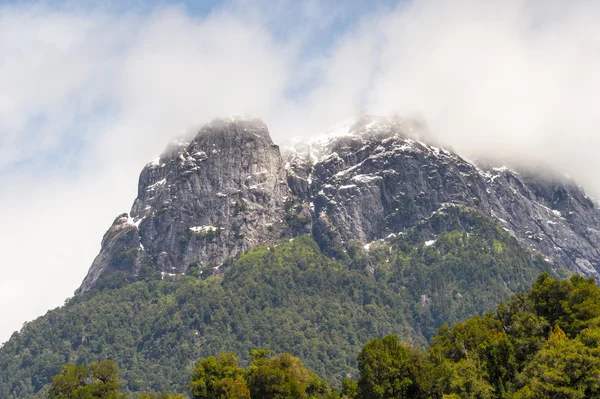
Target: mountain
(376,178)
(234,244)
(286,297)
(201,201)
(230,188)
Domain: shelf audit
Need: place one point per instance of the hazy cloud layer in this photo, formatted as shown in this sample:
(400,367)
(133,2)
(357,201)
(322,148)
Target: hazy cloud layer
(87,96)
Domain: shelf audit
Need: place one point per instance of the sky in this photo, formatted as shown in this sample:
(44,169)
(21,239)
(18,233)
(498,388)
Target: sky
(91,91)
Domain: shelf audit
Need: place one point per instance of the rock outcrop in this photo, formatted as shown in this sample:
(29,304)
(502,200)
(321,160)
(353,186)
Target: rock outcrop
(200,202)
(230,188)
(376,177)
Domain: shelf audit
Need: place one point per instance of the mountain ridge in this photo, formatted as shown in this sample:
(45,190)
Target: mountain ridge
(287,297)
(231,188)
(234,244)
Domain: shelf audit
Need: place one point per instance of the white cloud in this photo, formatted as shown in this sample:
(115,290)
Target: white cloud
(88,95)
(120,87)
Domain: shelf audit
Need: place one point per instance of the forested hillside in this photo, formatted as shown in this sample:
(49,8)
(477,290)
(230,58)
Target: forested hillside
(540,344)
(289,297)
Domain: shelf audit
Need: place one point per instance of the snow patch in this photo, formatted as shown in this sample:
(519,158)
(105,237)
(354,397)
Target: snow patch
(201,155)
(155,185)
(132,222)
(348,187)
(165,274)
(203,229)
(365,179)
(155,162)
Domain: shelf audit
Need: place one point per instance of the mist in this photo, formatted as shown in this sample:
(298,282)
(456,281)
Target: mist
(88,95)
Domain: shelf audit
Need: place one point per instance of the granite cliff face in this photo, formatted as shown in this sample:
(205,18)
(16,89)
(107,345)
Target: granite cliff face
(231,188)
(200,202)
(376,178)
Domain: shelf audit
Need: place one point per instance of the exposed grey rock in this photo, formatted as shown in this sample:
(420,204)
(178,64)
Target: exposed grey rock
(203,201)
(379,179)
(120,251)
(229,189)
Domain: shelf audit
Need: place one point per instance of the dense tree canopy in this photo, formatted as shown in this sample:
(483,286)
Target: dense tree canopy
(511,353)
(219,377)
(97,381)
(292,298)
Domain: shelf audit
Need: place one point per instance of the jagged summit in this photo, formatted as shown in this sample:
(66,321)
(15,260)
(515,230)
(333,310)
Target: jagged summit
(200,202)
(229,188)
(249,123)
(238,124)
(365,128)
(378,179)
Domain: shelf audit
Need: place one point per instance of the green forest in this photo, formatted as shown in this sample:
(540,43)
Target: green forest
(286,298)
(542,344)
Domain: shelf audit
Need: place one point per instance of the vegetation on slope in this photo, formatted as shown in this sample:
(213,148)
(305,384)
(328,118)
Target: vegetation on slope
(543,344)
(286,298)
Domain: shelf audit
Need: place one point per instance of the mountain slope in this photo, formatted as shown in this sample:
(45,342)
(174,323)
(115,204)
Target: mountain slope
(376,177)
(286,297)
(370,230)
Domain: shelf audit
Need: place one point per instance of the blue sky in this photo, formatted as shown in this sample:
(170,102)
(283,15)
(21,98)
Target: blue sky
(90,91)
(316,29)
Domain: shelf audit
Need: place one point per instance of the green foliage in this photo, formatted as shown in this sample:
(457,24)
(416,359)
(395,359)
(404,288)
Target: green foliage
(511,353)
(465,379)
(219,377)
(563,368)
(292,298)
(283,376)
(288,298)
(160,396)
(471,266)
(76,382)
(480,339)
(574,304)
(349,388)
(388,369)
(279,377)
(114,280)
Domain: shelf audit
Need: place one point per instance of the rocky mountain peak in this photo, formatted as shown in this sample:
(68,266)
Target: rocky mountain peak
(200,202)
(229,188)
(377,177)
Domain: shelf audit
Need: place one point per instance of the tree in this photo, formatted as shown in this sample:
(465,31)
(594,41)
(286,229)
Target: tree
(219,377)
(160,396)
(526,330)
(564,368)
(99,381)
(350,388)
(69,383)
(466,380)
(487,351)
(283,377)
(387,370)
